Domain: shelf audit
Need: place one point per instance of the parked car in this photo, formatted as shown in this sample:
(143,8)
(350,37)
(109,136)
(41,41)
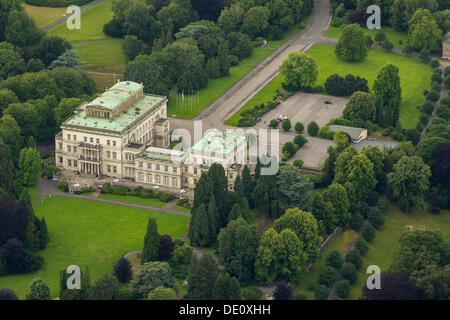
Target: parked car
(328,102)
(258,119)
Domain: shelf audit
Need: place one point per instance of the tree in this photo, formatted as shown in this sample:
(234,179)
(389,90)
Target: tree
(13,219)
(166,246)
(149,71)
(387,90)
(342,289)
(151,242)
(283,291)
(299,127)
(200,230)
(380,36)
(300,140)
(354,257)
(152,275)
(6,168)
(423,31)
(324,213)
(294,189)
(39,290)
(265,191)
(403,10)
(349,272)
(248,185)
(368,232)
(352,45)
(321,292)
(79,294)
(337,195)
(327,276)
(105,288)
(355,173)
(47,50)
(222,56)
(289,149)
(132,47)
(26,116)
(409,182)
(67,59)
(341,140)
(425,149)
(286,124)
(279,253)
(162,293)
(273,123)
(202,277)
(360,106)
(418,249)
(335,260)
(396,286)
(256,21)
(7,294)
(313,128)
(299,70)
(21,31)
(305,227)
(122,270)
(237,244)
(226,288)
(29,167)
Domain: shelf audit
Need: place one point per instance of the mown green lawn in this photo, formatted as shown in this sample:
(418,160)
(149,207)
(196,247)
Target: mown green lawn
(414,75)
(84,232)
(44,16)
(383,247)
(194,104)
(265,95)
(180,208)
(101,56)
(92,22)
(132,199)
(258,55)
(309,281)
(393,35)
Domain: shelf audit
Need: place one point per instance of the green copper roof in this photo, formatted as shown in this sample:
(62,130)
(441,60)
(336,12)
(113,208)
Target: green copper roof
(218,143)
(165,155)
(116,95)
(148,103)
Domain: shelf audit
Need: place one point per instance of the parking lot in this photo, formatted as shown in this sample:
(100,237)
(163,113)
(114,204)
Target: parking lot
(306,107)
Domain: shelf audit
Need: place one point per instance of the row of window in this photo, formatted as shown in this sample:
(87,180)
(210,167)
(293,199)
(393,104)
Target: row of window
(91,140)
(158,167)
(157,179)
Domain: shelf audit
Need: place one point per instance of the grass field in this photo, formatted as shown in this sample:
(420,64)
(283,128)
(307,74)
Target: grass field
(383,247)
(414,76)
(180,208)
(258,55)
(33,192)
(309,281)
(193,105)
(393,35)
(91,233)
(265,95)
(101,56)
(44,16)
(92,22)
(104,80)
(131,199)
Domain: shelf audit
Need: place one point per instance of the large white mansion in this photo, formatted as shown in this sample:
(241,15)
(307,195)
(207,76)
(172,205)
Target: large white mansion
(125,134)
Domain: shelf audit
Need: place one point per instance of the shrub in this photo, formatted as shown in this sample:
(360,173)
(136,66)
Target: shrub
(184,203)
(387,45)
(107,187)
(298,163)
(354,257)
(122,270)
(299,127)
(321,292)
(49,171)
(313,128)
(328,276)
(63,185)
(356,221)
(361,245)
(427,107)
(119,190)
(300,140)
(425,55)
(434,63)
(246,122)
(335,260)
(273,123)
(283,291)
(286,124)
(299,296)
(375,217)
(7,294)
(368,232)
(165,196)
(251,293)
(289,149)
(342,289)
(433,96)
(349,272)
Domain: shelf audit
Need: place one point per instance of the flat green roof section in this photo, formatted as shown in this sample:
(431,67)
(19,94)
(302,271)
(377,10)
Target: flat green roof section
(218,143)
(120,123)
(116,95)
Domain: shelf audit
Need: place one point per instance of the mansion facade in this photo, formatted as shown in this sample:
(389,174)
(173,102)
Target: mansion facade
(124,134)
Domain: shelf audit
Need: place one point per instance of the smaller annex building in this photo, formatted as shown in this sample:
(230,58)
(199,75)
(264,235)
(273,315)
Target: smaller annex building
(355,134)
